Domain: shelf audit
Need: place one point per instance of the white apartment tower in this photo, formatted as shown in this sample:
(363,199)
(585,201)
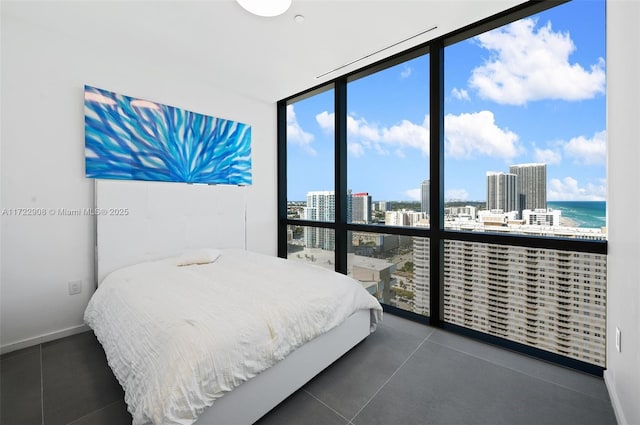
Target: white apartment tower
(361,208)
(502,191)
(549,299)
(321,206)
(403,218)
(532,185)
(424,196)
(384,206)
(542,217)
(421,276)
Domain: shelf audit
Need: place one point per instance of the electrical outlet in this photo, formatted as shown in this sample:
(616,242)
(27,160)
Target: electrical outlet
(618,339)
(75,287)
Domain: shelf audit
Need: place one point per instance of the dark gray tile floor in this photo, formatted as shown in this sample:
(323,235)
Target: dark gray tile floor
(404,373)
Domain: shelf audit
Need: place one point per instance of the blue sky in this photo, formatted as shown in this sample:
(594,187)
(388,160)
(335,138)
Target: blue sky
(531,91)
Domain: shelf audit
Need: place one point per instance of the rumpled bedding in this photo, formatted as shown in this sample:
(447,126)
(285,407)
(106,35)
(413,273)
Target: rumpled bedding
(178,338)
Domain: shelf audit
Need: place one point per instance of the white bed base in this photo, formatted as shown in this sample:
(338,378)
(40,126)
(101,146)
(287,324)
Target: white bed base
(163,220)
(251,400)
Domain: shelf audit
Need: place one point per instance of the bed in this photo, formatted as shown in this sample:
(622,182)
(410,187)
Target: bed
(213,336)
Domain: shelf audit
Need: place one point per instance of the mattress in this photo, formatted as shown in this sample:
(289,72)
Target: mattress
(179,337)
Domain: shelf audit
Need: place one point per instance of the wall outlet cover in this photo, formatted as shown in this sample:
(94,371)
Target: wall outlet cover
(75,287)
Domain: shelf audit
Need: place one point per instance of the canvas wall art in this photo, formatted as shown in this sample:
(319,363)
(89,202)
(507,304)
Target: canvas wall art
(135,139)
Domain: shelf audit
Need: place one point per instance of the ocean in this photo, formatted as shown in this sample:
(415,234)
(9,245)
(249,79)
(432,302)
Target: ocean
(583,213)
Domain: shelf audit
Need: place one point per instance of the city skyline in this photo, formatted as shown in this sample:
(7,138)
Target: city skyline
(493,116)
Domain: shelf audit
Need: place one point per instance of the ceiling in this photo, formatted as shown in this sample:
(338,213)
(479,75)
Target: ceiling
(219,43)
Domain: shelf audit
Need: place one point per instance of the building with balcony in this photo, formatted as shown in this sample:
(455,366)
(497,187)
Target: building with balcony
(544,298)
(541,217)
(361,208)
(502,191)
(532,185)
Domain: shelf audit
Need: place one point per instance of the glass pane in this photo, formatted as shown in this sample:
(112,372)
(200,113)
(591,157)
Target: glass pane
(388,146)
(394,268)
(310,158)
(549,299)
(313,245)
(525,126)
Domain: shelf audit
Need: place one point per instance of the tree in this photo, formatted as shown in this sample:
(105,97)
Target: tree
(407,267)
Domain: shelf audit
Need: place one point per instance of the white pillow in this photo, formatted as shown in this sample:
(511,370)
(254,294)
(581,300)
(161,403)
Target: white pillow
(198,256)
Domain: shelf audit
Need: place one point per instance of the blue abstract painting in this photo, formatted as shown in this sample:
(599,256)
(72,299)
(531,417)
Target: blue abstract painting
(134,139)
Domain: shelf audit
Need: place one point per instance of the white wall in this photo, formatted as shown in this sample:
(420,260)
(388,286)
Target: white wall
(41,166)
(623,279)
(42,162)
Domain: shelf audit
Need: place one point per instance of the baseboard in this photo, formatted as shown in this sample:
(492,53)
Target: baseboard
(29,342)
(613,395)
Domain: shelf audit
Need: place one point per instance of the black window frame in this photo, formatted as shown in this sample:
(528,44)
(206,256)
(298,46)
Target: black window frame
(436,232)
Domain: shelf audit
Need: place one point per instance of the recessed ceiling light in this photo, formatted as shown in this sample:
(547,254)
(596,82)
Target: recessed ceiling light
(265,8)
(299,19)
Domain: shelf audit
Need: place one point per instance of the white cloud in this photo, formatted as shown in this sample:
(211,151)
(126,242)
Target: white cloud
(406,72)
(477,133)
(326,121)
(414,194)
(359,127)
(295,133)
(355,149)
(588,151)
(460,94)
(456,195)
(380,150)
(532,65)
(568,189)
(408,135)
(583,150)
(466,135)
(547,156)
(405,134)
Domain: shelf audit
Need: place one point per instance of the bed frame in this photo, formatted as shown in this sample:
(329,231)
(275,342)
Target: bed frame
(251,400)
(142,221)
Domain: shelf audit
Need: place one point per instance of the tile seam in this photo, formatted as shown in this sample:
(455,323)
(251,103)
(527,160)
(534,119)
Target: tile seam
(390,377)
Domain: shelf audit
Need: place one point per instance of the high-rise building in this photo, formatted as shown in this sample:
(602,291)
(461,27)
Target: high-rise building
(542,217)
(549,299)
(467,212)
(361,208)
(421,275)
(403,218)
(532,185)
(384,206)
(424,198)
(321,206)
(502,191)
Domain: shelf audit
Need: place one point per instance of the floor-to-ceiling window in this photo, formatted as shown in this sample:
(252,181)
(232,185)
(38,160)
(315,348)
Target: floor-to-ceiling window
(463,183)
(388,181)
(310,150)
(525,154)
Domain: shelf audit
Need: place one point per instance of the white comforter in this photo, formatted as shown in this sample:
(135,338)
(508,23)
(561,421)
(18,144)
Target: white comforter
(177,338)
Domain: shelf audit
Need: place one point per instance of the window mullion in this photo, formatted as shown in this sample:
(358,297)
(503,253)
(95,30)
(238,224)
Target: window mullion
(436,188)
(282,178)
(340,179)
